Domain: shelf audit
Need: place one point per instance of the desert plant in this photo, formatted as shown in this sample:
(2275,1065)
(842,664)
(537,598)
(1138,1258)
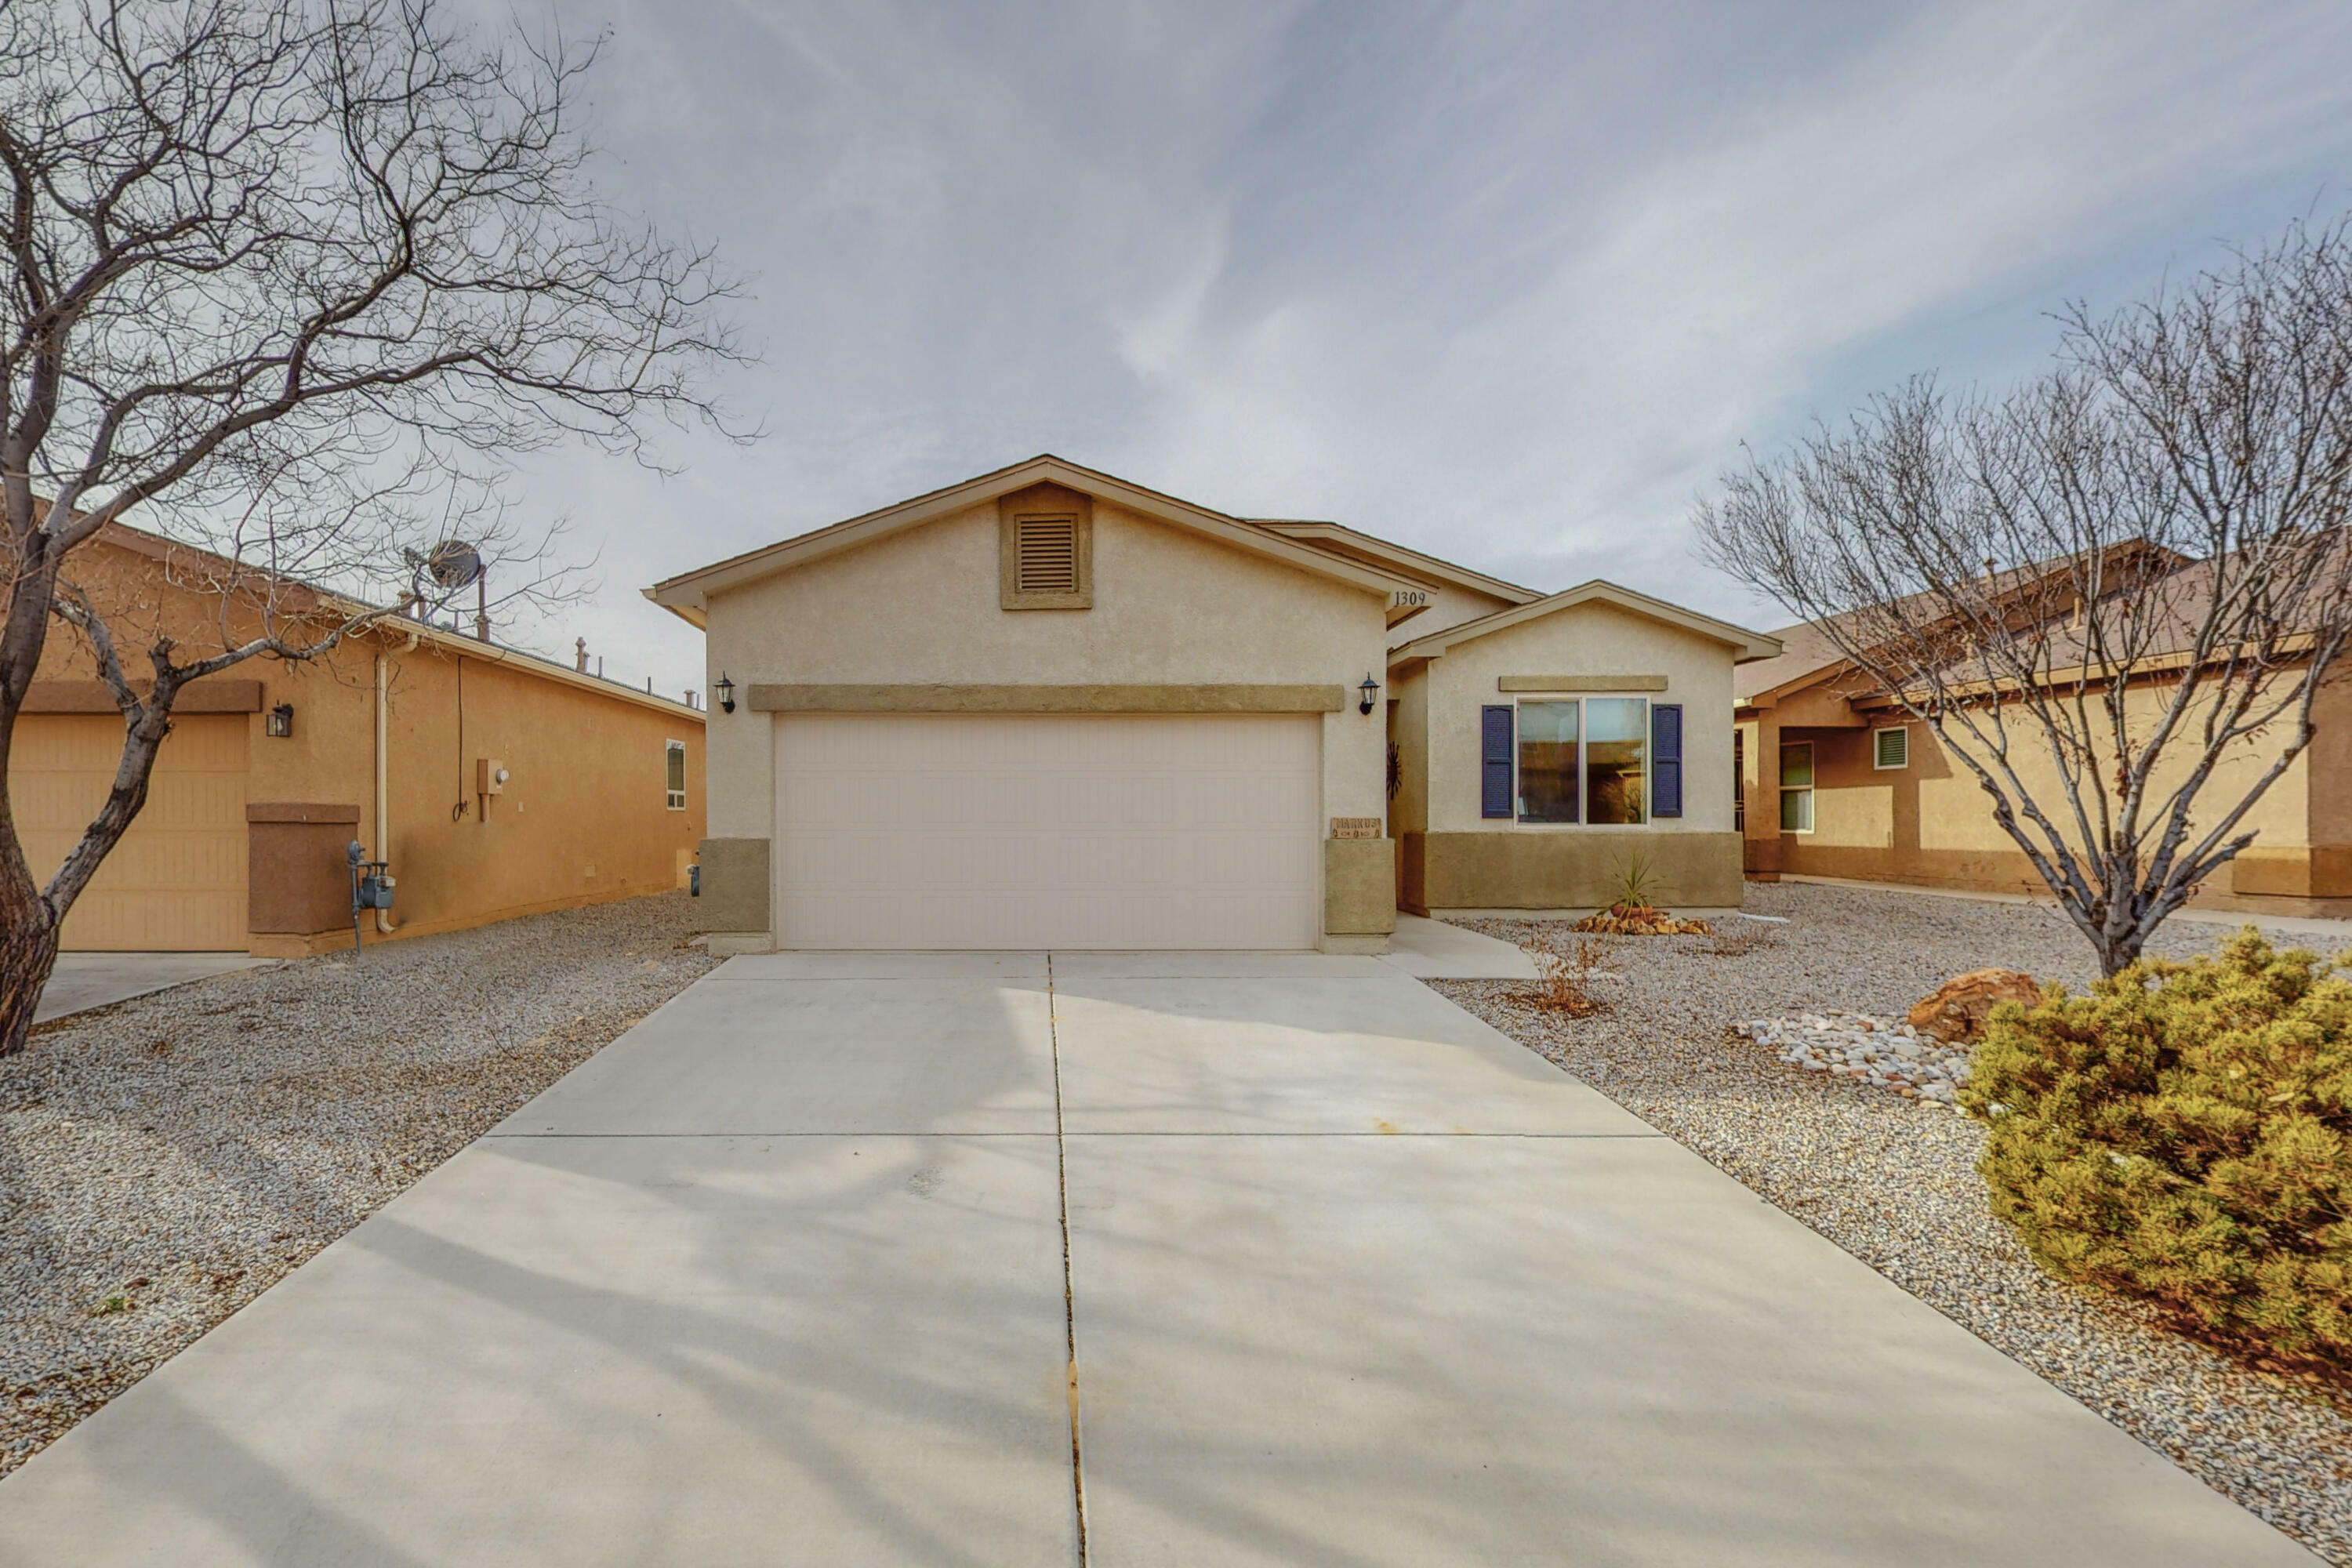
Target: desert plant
(1564,970)
(2180,1134)
(1633,881)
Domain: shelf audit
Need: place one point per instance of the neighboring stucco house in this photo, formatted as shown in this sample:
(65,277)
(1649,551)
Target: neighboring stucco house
(394,740)
(1049,708)
(1837,781)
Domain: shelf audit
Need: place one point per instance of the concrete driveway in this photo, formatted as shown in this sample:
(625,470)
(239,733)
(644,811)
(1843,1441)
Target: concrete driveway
(84,980)
(1181,1260)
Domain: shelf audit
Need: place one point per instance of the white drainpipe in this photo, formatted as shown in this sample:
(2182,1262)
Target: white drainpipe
(384,769)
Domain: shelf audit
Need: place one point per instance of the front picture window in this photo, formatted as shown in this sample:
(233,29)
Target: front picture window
(1585,760)
(1547,767)
(1616,759)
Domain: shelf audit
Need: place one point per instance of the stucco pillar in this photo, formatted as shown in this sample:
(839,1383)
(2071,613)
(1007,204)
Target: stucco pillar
(1760,771)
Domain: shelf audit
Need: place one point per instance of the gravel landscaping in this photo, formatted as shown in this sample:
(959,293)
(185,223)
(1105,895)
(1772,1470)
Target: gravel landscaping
(1893,1180)
(164,1161)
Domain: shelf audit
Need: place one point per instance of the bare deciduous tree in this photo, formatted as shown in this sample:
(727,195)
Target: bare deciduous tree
(2113,593)
(282,277)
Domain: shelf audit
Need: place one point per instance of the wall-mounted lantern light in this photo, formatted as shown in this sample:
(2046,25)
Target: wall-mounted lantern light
(279,722)
(1371,690)
(726,693)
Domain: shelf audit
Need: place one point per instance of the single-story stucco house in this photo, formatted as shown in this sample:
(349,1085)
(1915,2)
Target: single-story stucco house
(1051,708)
(494,783)
(1840,782)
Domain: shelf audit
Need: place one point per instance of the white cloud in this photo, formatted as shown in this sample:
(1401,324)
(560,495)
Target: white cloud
(1510,284)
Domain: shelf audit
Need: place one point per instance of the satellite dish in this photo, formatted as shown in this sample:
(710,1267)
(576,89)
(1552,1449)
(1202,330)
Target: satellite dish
(454,564)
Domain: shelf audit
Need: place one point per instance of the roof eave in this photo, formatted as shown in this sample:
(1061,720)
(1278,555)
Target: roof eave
(693,588)
(1403,557)
(1746,645)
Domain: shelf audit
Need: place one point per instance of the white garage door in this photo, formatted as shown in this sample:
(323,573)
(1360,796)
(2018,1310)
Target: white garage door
(1032,831)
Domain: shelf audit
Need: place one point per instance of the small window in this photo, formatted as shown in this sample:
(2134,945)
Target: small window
(1890,749)
(1797,788)
(676,775)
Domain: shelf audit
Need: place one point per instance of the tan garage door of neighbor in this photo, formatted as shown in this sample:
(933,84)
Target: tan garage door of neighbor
(1040,831)
(177,882)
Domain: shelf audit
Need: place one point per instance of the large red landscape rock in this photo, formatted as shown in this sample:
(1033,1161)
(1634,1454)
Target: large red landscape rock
(1957,1009)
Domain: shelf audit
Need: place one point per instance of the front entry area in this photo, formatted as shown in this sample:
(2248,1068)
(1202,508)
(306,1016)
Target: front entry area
(990,831)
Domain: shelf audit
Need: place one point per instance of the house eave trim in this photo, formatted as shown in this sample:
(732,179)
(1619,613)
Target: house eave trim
(942,698)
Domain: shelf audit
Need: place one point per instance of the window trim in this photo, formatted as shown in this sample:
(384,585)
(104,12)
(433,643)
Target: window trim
(1583,801)
(1877,764)
(1813,767)
(674,799)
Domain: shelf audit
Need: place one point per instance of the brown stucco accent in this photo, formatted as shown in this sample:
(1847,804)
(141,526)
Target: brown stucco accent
(298,876)
(2322,871)
(1520,870)
(735,885)
(1413,873)
(1046,500)
(1581,683)
(299,811)
(944,698)
(211,695)
(1359,887)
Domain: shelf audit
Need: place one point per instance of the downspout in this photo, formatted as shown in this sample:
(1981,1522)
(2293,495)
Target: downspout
(383,768)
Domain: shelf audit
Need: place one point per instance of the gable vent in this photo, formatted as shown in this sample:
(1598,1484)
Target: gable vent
(1047,560)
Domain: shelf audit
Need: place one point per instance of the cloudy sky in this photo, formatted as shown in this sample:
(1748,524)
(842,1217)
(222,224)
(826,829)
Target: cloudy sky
(1506,282)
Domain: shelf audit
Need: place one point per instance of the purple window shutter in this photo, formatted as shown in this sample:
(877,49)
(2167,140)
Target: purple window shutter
(1666,759)
(1495,762)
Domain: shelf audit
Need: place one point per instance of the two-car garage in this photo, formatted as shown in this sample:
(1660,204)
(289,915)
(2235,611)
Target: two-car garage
(994,830)
(1044,708)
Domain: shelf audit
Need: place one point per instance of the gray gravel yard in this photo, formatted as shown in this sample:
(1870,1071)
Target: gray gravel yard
(164,1161)
(1895,1182)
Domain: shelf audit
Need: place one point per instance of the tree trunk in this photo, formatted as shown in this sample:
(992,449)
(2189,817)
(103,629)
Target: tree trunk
(28,945)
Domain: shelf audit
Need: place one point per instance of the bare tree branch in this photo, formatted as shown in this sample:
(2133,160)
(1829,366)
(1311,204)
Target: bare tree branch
(2105,589)
(287,280)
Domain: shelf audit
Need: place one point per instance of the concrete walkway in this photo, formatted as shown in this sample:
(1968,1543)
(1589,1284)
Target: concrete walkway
(84,980)
(780,1275)
(1433,950)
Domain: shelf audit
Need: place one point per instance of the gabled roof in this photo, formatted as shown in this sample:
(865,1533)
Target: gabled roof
(229,572)
(1744,645)
(1811,654)
(1344,541)
(686,595)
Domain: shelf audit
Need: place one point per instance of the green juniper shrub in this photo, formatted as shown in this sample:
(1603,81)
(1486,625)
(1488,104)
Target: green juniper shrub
(2183,1134)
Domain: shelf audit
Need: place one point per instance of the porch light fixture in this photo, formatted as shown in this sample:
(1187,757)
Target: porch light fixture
(726,693)
(1371,690)
(279,722)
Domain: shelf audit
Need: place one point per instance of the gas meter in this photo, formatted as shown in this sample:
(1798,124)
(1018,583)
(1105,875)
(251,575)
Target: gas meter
(372,884)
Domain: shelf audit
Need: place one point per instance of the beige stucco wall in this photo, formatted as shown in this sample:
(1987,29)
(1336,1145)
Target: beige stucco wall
(1409,730)
(1172,608)
(1448,607)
